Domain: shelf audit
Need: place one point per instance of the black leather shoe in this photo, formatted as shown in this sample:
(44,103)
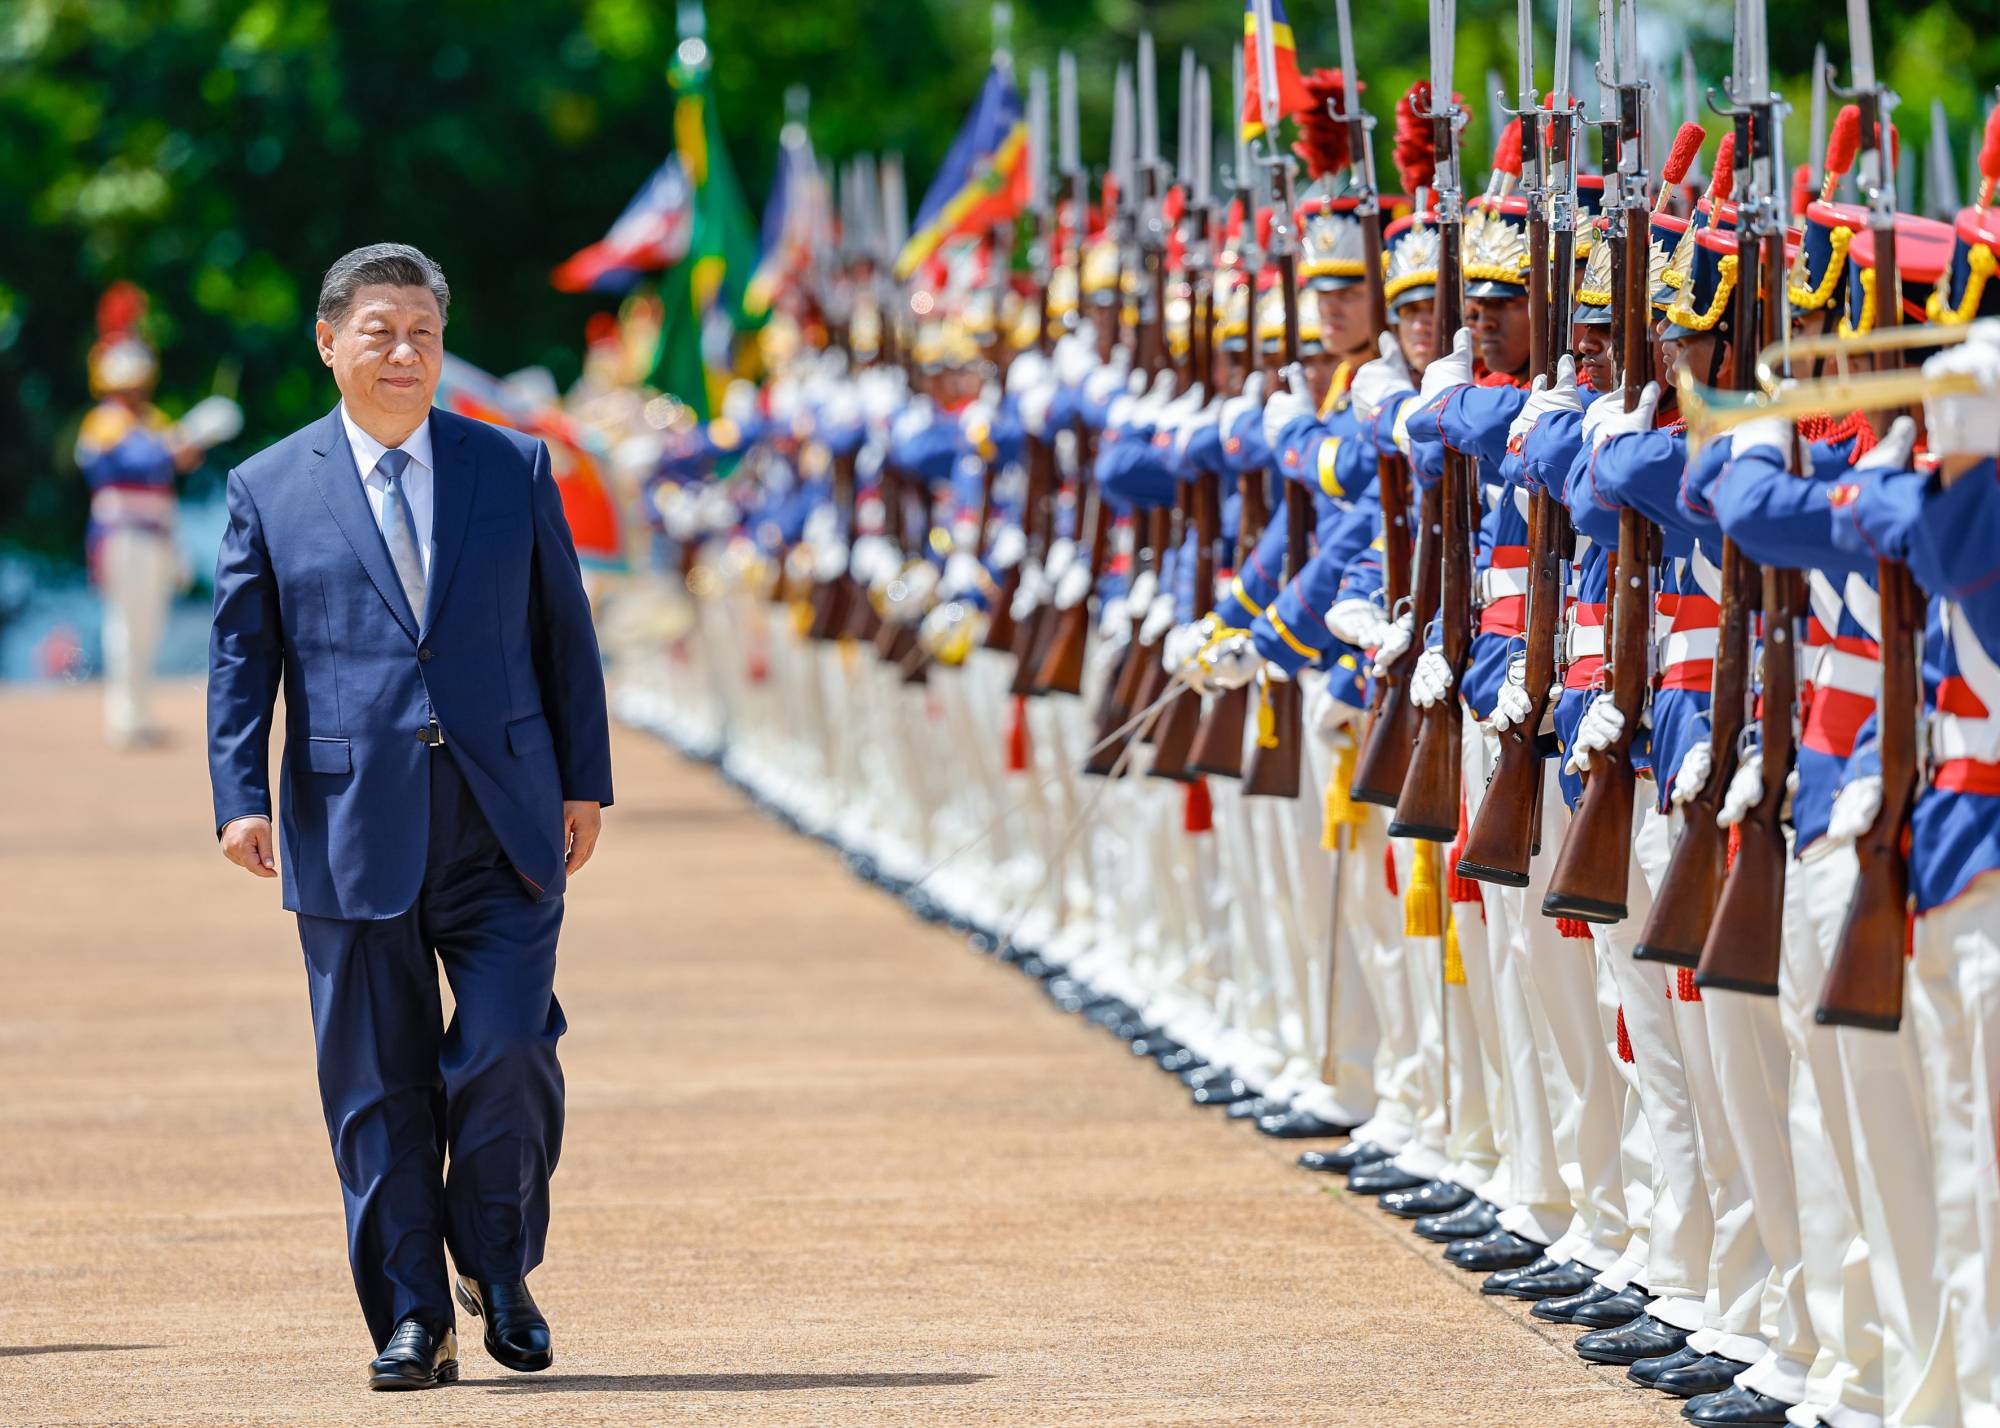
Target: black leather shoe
(1433,1197)
(1711,1373)
(1223,1091)
(1300,1125)
(1349,1157)
(1559,1311)
(1558,1283)
(416,1356)
(1379,1179)
(517,1336)
(1258,1107)
(1196,1077)
(1156,1045)
(1492,1252)
(1646,1370)
(1180,1062)
(1734,1407)
(1613,1313)
(1468,1222)
(1644,1338)
(1507,1276)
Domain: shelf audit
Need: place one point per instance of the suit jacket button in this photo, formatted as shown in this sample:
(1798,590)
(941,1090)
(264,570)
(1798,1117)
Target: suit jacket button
(424,654)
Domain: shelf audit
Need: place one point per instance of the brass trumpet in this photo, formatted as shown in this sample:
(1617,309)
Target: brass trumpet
(1710,411)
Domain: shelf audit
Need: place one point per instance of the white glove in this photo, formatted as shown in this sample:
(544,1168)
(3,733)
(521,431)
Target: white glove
(1746,791)
(1285,406)
(1114,619)
(1602,723)
(1773,432)
(1616,421)
(1193,425)
(1325,716)
(1159,619)
(1008,547)
(1967,425)
(913,589)
(1454,369)
(1034,408)
(1233,663)
(1855,808)
(1028,369)
(962,574)
(1431,680)
(1512,705)
(1030,593)
(1395,637)
(1062,554)
(1184,642)
(1139,594)
(1075,359)
(1355,621)
(1892,452)
(1545,397)
(1380,381)
(209,422)
(1251,398)
(829,560)
(1072,587)
(1179,412)
(1697,766)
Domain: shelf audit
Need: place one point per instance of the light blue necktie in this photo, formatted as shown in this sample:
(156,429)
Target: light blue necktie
(399,531)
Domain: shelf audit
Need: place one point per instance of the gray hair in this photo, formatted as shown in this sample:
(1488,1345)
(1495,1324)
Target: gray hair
(392,264)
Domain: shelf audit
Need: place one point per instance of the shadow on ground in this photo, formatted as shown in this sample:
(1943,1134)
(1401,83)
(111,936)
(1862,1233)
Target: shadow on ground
(720,1382)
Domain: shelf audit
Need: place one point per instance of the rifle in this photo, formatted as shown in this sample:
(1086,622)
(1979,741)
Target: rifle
(1428,806)
(1864,980)
(1745,939)
(1218,744)
(1593,868)
(1684,904)
(1503,839)
(1274,767)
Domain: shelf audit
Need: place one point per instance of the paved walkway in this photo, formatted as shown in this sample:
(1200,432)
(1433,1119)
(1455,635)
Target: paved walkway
(823,1165)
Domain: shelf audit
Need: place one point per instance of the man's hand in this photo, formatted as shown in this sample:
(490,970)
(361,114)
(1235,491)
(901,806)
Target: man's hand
(247,842)
(582,820)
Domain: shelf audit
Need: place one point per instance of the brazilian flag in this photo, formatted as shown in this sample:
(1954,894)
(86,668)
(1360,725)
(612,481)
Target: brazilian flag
(705,298)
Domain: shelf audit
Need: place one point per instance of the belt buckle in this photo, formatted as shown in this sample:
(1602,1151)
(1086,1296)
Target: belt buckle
(431,736)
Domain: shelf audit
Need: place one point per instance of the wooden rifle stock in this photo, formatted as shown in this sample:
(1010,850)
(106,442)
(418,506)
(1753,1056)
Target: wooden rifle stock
(1864,981)
(1384,760)
(1173,749)
(1059,665)
(1128,695)
(1274,767)
(1218,744)
(1684,902)
(1502,839)
(1746,937)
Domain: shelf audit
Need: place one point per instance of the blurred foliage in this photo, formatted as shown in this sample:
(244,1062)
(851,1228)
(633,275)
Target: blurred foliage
(221,153)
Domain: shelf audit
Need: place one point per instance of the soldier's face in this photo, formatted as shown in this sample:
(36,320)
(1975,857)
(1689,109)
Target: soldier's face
(1343,319)
(1416,333)
(1499,329)
(387,353)
(1320,367)
(1704,357)
(1591,344)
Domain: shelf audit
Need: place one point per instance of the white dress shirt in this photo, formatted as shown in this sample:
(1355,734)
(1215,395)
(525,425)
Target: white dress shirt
(416,477)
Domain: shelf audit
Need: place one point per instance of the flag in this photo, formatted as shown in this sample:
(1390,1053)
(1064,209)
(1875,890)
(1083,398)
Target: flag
(798,225)
(984,180)
(529,406)
(652,233)
(1292,96)
(705,298)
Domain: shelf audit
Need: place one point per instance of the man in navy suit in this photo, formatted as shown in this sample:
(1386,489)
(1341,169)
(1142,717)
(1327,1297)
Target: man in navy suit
(407,577)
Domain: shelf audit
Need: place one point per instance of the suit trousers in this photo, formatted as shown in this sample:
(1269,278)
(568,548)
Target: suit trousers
(405,1093)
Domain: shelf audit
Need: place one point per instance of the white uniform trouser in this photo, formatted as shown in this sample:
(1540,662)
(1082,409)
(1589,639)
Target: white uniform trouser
(1574,1070)
(136,572)
(1844,1377)
(1479,1147)
(1538,1207)
(1682,1225)
(1954,1015)
(1377,918)
(1423,971)
(1339,1008)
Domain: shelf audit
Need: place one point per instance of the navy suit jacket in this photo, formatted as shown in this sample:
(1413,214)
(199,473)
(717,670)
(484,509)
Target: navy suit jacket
(505,659)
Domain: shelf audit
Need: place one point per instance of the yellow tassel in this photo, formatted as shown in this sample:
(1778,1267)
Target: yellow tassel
(848,655)
(1420,899)
(1342,812)
(802,617)
(1454,961)
(1267,719)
